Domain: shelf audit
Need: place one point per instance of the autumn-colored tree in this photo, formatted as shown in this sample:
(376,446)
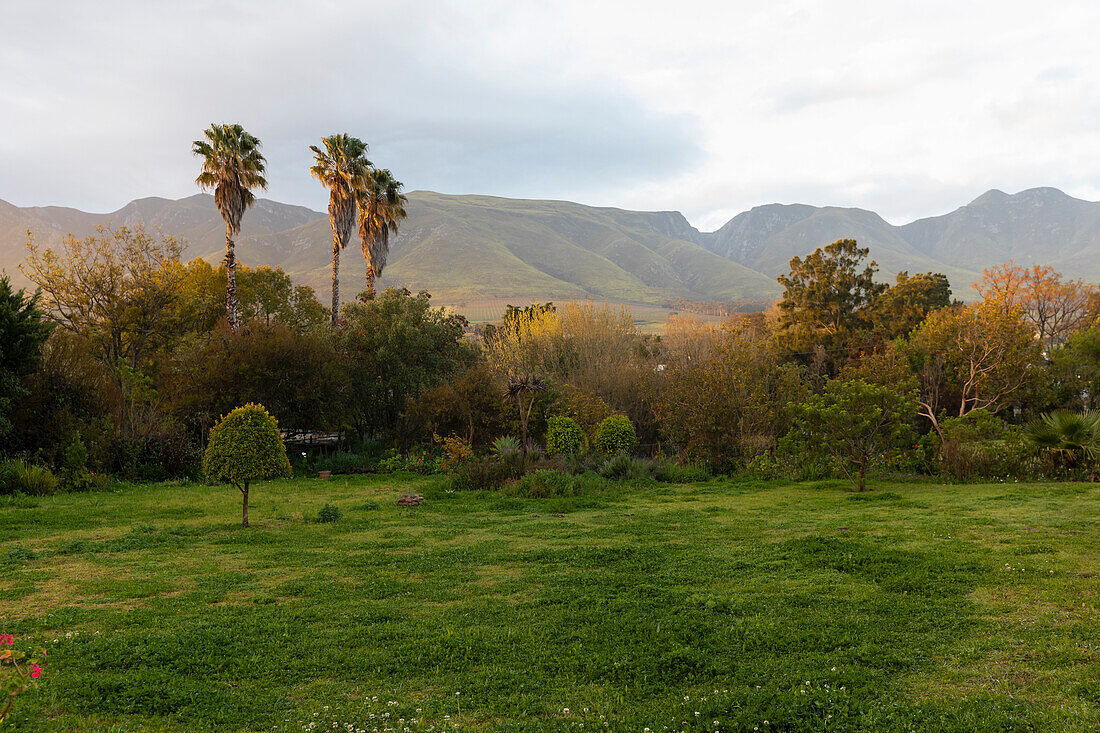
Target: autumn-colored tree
(595,348)
(970,357)
(528,342)
(116,289)
(264,294)
(1056,308)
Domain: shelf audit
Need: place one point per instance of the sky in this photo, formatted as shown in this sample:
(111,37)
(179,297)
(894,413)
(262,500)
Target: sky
(910,109)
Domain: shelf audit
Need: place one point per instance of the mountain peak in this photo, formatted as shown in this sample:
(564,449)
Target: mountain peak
(1038,195)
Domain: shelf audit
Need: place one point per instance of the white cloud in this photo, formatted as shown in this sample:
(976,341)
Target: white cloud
(909,108)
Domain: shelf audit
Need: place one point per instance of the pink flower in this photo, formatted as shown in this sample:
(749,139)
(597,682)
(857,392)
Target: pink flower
(7,639)
(35,671)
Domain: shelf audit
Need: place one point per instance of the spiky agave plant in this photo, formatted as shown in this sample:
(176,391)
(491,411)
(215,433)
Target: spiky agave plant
(381,211)
(1074,435)
(342,167)
(231,165)
(506,448)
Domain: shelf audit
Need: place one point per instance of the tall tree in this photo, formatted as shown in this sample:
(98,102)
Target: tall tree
(903,306)
(381,211)
(232,165)
(23,330)
(826,296)
(342,167)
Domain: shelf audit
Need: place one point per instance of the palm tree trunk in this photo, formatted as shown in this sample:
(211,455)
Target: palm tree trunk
(335,281)
(230,280)
(370,279)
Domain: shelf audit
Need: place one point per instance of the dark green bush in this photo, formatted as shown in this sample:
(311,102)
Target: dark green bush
(329,513)
(341,463)
(564,436)
(615,435)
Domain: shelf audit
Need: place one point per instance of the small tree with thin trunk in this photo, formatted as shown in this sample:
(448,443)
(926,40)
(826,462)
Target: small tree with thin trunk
(245,446)
(524,389)
(854,421)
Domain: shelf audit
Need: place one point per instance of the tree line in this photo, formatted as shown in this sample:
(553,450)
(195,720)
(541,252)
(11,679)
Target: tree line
(125,357)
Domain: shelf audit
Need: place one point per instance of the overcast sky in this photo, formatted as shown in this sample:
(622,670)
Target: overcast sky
(710,108)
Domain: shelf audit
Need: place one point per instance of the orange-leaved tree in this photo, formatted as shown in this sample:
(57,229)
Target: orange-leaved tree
(1055,307)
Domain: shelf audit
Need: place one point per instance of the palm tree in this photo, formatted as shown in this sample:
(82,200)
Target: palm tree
(232,165)
(342,167)
(1073,435)
(381,210)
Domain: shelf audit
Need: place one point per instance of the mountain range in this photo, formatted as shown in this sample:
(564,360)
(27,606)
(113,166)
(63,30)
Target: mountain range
(468,247)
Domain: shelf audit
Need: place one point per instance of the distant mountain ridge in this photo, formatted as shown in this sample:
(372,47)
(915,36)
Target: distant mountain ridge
(463,247)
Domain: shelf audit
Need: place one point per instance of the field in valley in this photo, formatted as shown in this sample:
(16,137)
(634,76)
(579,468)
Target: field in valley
(727,605)
(648,318)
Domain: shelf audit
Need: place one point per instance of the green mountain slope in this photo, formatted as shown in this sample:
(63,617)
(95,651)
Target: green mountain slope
(470,248)
(457,247)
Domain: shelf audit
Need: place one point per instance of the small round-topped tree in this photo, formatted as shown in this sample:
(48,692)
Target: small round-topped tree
(245,446)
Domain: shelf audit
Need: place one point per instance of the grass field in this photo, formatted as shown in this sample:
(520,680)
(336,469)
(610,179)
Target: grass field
(722,606)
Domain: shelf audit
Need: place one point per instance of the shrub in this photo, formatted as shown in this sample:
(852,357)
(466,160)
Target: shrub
(623,467)
(329,513)
(456,451)
(564,436)
(74,463)
(853,422)
(681,473)
(26,478)
(424,465)
(544,484)
(485,474)
(392,461)
(340,463)
(506,448)
(615,435)
(245,446)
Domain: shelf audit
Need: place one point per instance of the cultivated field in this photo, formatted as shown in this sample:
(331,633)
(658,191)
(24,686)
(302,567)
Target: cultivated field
(720,606)
(648,318)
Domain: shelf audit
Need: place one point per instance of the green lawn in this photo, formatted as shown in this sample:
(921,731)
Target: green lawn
(758,605)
